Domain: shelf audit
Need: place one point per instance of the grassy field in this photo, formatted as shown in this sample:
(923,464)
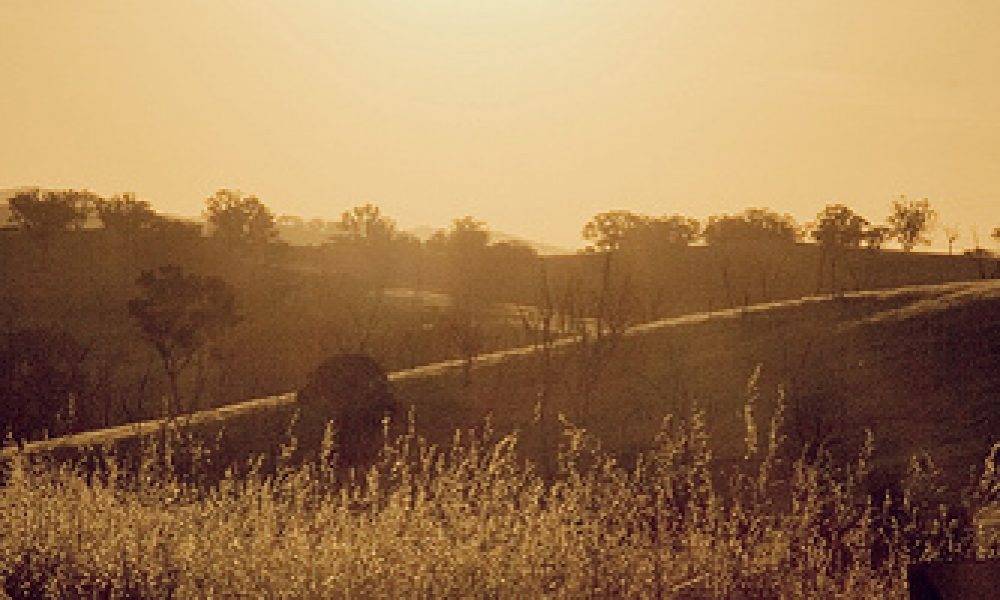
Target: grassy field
(812,448)
(916,365)
(475,520)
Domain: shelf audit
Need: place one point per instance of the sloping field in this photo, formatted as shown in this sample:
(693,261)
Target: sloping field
(918,365)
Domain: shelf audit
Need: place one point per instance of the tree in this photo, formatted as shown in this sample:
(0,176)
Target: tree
(46,214)
(125,214)
(952,234)
(996,234)
(42,381)
(606,230)
(367,224)
(353,390)
(463,247)
(468,233)
(179,313)
(655,235)
(837,228)
(752,225)
(752,242)
(239,219)
(911,221)
(874,237)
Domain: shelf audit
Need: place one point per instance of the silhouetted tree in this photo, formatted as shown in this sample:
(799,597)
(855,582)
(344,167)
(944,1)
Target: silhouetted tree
(655,235)
(235,218)
(353,391)
(752,225)
(42,381)
(875,236)
(606,230)
(178,314)
(463,248)
(370,237)
(48,213)
(125,214)
(996,234)
(367,224)
(515,264)
(837,228)
(840,227)
(952,234)
(753,241)
(910,221)
(468,233)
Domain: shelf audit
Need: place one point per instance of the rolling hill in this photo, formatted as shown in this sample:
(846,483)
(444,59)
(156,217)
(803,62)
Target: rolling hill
(919,365)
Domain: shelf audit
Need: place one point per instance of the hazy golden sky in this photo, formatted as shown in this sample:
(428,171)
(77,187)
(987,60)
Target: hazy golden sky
(529,114)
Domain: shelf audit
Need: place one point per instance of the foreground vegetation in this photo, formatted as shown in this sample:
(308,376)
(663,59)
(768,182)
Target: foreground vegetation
(476,519)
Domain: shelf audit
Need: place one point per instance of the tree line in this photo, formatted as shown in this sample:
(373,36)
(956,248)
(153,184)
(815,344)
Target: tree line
(836,226)
(188,293)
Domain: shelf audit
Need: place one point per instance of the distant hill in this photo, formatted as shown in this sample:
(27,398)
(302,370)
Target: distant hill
(920,366)
(424,233)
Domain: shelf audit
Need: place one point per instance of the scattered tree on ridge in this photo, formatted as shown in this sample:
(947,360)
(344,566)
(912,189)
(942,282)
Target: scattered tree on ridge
(48,213)
(367,224)
(607,230)
(911,221)
(874,237)
(125,214)
(659,234)
(752,225)
(951,234)
(837,228)
(235,218)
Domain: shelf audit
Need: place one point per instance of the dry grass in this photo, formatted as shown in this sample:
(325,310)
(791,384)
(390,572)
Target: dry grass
(478,520)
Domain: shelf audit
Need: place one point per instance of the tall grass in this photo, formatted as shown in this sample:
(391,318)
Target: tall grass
(477,519)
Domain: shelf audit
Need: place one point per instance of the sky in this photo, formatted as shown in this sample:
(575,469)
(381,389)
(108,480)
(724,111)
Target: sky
(531,115)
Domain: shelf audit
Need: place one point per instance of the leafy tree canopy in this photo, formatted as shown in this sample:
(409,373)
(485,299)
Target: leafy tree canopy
(367,224)
(657,234)
(50,212)
(465,235)
(235,218)
(752,225)
(125,214)
(41,377)
(911,221)
(838,226)
(607,230)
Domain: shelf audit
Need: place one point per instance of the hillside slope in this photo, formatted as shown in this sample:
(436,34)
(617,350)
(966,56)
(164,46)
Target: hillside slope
(917,365)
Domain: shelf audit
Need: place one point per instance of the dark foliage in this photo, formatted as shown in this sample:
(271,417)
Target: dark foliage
(42,382)
(353,391)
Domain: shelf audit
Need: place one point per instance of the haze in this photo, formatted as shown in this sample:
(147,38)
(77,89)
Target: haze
(529,115)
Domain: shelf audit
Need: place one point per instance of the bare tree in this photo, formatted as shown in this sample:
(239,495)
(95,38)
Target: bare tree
(952,234)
